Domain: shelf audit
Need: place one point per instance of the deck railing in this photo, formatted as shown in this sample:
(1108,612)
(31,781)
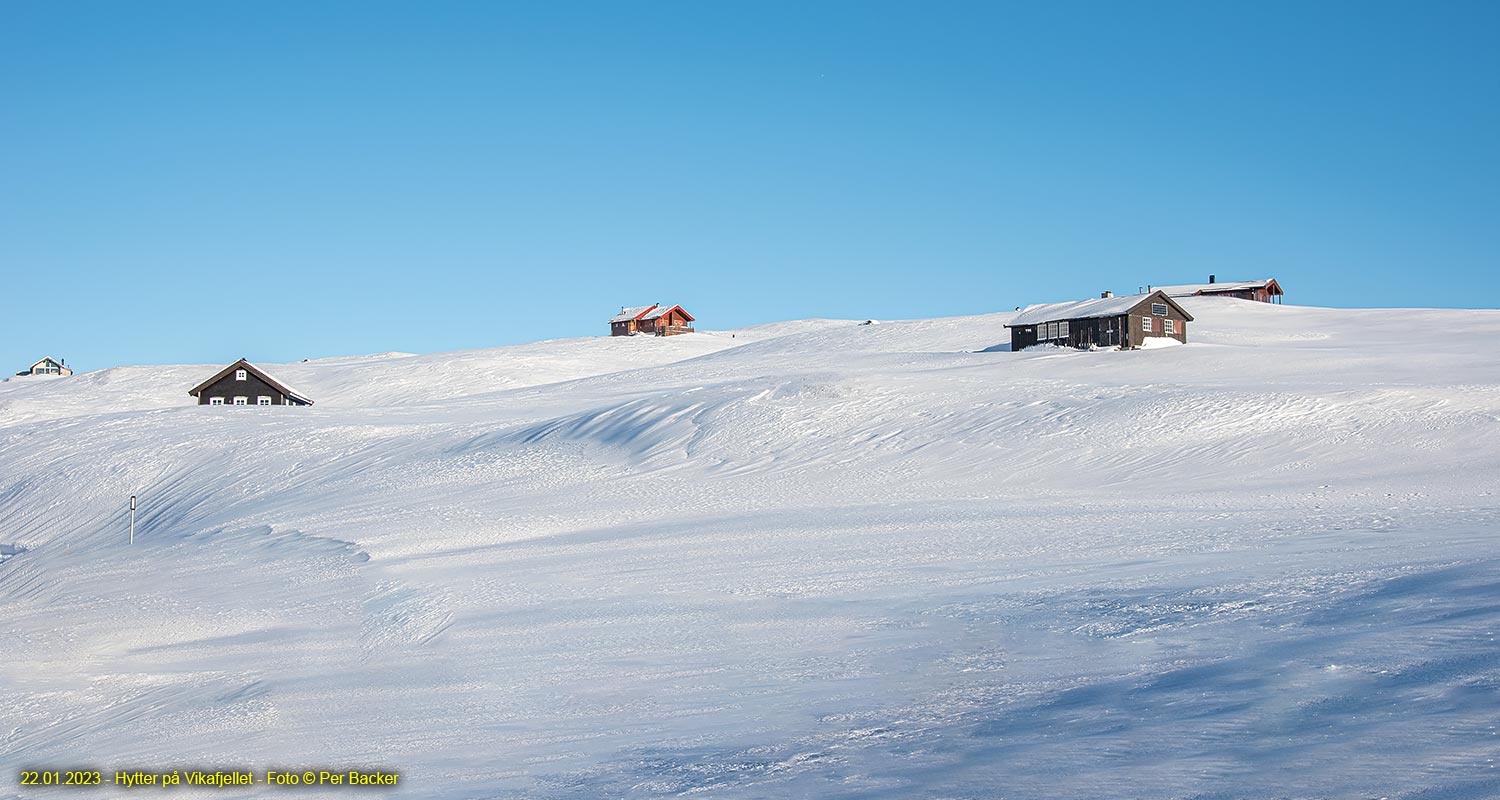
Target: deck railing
(673,330)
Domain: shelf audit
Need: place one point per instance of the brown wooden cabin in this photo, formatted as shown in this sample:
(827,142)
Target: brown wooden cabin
(1266,290)
(657,319)
(1106,321)
(244,384)
(47,366)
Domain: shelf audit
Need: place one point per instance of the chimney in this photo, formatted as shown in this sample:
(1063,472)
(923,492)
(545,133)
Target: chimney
(1211,278)
(1106,295)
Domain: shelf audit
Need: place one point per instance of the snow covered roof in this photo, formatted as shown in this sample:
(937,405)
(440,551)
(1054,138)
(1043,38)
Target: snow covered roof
(1188,289)
(628,314)
(664,309)
(257,372)
(1086,309)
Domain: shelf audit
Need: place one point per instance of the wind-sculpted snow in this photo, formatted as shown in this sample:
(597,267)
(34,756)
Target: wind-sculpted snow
(815,559)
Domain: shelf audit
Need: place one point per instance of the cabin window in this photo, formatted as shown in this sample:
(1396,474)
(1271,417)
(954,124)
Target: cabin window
(1169,326)
(239,374)
(242,401)
(1158,309)
(1062,330)
(216,401)
(1146,324)
(263,401)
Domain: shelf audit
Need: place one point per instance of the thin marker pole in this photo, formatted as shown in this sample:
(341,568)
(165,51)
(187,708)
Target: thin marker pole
(132,519)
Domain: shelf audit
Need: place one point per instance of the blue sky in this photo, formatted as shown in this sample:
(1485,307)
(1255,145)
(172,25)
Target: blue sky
(193,182)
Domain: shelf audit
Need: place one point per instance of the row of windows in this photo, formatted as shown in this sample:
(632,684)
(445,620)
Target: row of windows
(263,400)
(1167,325)
(1051,330)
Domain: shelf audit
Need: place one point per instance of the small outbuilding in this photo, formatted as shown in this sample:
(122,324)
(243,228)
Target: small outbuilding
(244,384)
(1106,321)
(47,366)
(1266,290)
(657,318)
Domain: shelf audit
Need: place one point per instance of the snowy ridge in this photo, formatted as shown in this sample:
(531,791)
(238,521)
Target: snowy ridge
(804,559)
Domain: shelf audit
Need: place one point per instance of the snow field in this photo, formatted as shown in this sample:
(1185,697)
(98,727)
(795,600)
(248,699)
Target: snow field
(814,559)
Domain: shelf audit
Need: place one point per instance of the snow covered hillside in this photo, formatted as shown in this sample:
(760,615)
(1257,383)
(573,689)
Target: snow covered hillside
(815,559)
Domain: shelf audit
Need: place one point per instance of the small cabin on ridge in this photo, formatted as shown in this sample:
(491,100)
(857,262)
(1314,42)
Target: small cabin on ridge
(47,366)
(1105,321)
(657,319)
(244,384)
(1266,290)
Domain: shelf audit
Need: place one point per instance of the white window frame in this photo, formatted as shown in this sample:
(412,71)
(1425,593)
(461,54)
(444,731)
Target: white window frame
(263,400)
(239,375)
(242,401)
(1147,326)
(1168,325)
(1062,329)
(216,401)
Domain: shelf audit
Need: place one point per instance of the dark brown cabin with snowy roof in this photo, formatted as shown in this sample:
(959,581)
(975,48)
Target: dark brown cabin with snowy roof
(1105,321)
(658,319)
(244,384)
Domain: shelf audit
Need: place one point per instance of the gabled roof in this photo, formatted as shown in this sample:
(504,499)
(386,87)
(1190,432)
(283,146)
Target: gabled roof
(1090,309)
(662,310)
(628,314)
(1188,289)
(44,360)
(257,372)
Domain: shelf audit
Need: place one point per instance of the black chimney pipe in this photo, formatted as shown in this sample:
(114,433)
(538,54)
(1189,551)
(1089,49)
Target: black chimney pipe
(1210,279)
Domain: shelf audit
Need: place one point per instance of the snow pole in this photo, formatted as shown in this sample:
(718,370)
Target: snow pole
(132,519)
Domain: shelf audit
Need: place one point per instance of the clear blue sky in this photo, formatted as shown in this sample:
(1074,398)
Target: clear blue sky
(193,182)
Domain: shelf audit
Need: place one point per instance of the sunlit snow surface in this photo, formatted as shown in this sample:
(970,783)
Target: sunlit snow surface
(815,559)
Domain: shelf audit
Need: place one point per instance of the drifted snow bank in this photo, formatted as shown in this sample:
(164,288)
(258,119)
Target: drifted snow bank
(1158,342)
